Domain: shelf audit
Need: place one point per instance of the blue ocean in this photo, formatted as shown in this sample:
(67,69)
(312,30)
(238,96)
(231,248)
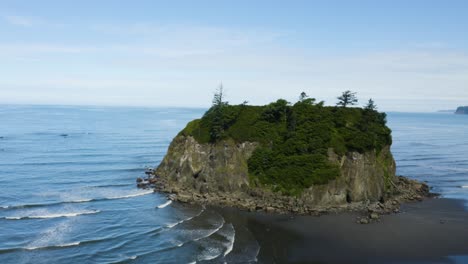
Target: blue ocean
(68,192)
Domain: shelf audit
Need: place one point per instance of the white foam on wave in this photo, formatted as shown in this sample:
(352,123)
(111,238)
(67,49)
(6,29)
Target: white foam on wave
(229,249)
(79,201)
(197,215)
(13,217)
(258,252)
(55,246)
(111,197)
(226,231)
(129,195)
(185,220)
(174,224)
(53,237)
(210,254)
(464,186)
(211,232)
(164,204)
(19,206)
(85,200)
(51,215)
(231,237)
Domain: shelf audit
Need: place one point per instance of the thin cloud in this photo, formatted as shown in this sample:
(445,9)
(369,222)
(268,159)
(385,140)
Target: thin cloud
(31,22)
(42,48)
(19,20)
(264,77)
(153,64)
(163,41)
(188,38)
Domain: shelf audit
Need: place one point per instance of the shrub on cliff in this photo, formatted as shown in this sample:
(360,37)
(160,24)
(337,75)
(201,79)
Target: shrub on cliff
(294,138)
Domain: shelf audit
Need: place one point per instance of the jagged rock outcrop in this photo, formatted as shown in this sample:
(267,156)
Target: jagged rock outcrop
(364,177)
(206,167)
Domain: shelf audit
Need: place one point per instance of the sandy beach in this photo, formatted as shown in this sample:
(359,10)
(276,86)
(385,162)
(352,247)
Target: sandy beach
(432,231)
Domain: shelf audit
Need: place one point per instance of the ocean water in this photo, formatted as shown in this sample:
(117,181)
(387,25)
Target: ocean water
(432,147)
(68,192)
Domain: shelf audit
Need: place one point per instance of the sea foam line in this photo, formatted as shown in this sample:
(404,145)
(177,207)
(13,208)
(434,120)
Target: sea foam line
(185,220)
(211,233)
(72,244)
(77,201)
(128,196)
(164,204)
(174,224)
(209,257)
(50,215)
(210,254)
(231,240)
(56,246)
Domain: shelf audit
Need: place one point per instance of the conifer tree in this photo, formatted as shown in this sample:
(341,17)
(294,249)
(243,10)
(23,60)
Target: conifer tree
(347,98)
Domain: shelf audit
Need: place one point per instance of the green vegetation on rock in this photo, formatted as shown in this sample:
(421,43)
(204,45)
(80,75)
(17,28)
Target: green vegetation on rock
(294,138)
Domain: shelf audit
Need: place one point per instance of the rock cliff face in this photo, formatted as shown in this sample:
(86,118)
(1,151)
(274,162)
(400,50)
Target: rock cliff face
(206,167)
(192,170)
(364,177)
(462,110)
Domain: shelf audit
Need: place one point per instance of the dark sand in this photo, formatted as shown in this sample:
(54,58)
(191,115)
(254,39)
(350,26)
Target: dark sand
(424,232)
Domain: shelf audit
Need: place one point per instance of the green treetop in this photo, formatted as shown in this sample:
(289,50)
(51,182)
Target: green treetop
(294,139)
(347,98)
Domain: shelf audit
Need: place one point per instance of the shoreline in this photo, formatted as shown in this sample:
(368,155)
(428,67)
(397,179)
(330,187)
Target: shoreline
(411,226)
(255,200)
(430,231)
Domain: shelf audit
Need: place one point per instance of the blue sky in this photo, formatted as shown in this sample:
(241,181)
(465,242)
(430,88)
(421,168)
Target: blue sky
(407,55)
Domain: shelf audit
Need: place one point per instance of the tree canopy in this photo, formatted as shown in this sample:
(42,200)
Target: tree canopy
(294,138)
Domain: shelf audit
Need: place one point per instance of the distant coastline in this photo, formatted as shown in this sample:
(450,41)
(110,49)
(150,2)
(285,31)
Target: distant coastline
(462,110)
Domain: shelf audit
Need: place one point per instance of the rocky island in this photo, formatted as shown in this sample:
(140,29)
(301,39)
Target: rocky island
(303,158)
(462,110)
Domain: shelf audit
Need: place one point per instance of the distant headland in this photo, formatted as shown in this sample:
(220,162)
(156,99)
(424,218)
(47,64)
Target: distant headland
(462,110)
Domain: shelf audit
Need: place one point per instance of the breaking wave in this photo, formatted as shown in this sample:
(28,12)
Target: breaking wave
(64,245)
(77,201)
(56,246)
(164,204)
(230,236)
(185,220)
(50,215)
(211,232)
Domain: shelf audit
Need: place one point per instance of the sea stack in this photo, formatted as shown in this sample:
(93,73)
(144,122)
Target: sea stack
(303,158)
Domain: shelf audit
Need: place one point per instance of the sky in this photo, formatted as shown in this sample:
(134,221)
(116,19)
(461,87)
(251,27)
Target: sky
(409,56)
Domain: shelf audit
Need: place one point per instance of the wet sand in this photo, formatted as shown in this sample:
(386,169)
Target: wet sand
(424,232)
